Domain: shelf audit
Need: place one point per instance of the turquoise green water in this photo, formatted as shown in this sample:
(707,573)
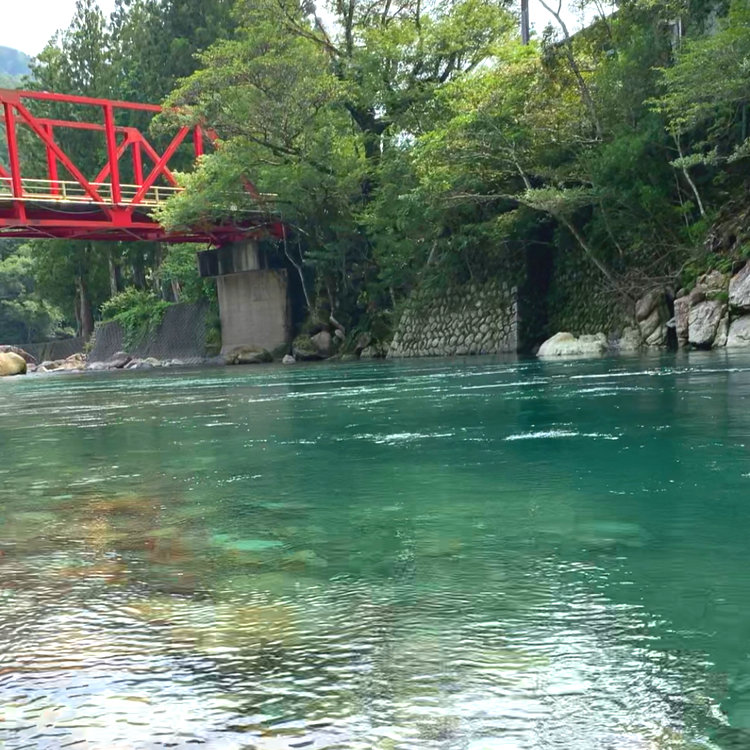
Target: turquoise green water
(472,555)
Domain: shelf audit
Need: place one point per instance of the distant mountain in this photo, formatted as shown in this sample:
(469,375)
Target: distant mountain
(13,65)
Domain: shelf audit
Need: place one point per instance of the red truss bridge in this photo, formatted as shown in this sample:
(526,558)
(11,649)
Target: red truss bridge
(60,201)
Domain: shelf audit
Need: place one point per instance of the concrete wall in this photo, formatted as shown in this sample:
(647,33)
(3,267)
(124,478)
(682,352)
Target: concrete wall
(254,309)
(473,320)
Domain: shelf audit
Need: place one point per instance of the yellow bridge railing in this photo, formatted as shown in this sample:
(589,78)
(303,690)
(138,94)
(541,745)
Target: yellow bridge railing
(70,191)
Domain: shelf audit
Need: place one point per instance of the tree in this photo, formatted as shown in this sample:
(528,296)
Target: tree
(313,111)
(24,315)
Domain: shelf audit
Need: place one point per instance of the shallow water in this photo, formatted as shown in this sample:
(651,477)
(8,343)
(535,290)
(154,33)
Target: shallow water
(472,555)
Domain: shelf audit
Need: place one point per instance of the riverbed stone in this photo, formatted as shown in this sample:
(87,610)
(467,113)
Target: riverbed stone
(12,364)
(739,289)
(565,344)
(704,323)
(739,333)
(288,359)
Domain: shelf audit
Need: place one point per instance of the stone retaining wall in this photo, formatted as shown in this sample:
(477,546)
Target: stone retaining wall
(473,320)
(181,335)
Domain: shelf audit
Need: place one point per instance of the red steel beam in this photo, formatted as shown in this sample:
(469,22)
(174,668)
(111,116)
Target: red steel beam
(112,154)
(59,153)
(10,94)
(32,216)
(158,168)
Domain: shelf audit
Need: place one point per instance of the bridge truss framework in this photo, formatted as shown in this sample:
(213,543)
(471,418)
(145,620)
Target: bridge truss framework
(101,207)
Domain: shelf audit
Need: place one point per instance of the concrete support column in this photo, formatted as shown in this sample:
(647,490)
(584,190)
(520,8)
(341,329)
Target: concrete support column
(253,299)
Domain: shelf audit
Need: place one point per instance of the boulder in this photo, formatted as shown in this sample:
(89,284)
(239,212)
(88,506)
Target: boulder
(739,289)
(303,348)
(647,304)
(703,323)
(739,333)
(682,319)
(73,363)
(12,364)
(288,360)
(713,281)
(363,341)
(652,315)
(323,343)
(248,355)
(565,344)
(30,360)
(722,332)
(93,366)
(118,361)
(629,342)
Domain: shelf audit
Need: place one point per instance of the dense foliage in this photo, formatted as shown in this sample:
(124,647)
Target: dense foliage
(420,143)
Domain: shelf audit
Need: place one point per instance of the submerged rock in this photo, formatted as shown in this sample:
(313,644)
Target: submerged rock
(12,364)
(565,344)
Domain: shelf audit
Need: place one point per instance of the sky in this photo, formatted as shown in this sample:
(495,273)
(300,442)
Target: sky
(28,24)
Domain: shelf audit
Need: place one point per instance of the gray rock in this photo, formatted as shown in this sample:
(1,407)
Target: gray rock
(739,333)
(339,334)
(248,355)
(647,304)
(629,341)
(652,314)
(739,289)
(369,352)
(682,319)
(93,366)
(703,323)
(722,332)
(288,359)
(118,360)
(565,344)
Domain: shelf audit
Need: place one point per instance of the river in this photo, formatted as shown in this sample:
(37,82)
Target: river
(480,554)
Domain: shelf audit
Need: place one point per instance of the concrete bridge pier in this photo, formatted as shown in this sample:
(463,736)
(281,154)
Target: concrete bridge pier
(253,297)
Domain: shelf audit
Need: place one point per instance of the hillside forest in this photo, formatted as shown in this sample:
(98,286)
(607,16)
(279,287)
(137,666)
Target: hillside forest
(413,145)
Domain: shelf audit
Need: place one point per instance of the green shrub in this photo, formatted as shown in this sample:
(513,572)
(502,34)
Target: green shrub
(139,313)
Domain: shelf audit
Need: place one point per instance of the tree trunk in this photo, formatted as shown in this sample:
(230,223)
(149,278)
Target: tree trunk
(85,316)
(113,275)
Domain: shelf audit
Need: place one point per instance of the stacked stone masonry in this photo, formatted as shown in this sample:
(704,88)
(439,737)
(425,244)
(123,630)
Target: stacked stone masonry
(473,320)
